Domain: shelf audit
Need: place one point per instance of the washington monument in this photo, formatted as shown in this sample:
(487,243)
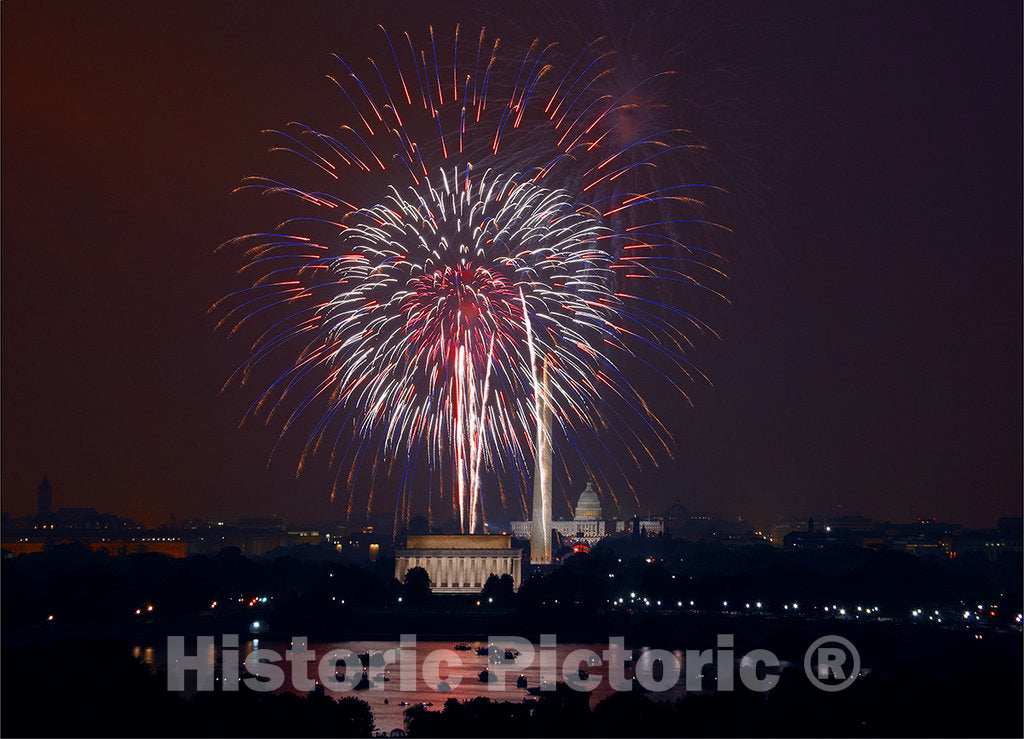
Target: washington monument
(540,532)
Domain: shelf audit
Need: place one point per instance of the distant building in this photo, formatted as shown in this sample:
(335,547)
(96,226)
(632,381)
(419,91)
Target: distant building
(253,537)
(922,538)
(170,546)
(360,544)
(844,530)
(44,498)
(305,535)
(681,523)
(677,518)
(807,539)
(460,563)
(588,507)
(648,526)
(85,519)
(783,526)
(991,543)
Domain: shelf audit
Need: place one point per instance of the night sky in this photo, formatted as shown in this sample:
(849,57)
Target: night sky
(870,362)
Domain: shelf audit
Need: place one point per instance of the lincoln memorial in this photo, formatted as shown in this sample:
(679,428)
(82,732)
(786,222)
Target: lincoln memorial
(460,563)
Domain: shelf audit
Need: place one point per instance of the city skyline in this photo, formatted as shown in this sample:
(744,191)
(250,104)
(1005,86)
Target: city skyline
(45,505)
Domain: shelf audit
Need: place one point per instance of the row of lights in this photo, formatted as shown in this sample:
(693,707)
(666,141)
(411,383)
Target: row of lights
(758,605)
(255,600)
(834,608)
(725,603)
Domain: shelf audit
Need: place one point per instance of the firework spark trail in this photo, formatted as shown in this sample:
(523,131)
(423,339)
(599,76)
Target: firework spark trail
(491,245)
(478,440)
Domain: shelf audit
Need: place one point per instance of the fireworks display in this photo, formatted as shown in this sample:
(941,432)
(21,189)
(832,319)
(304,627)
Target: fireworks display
(481,217)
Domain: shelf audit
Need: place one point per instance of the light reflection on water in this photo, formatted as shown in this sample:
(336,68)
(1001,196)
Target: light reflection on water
(146,654)
(389,703)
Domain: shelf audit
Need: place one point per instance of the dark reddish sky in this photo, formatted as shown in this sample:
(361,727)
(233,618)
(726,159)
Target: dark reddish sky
(871,360)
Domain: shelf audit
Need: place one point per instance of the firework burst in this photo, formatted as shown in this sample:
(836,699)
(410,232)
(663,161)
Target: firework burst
(470,239)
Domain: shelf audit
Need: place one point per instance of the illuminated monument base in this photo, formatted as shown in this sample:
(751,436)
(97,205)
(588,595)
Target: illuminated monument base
(460,563)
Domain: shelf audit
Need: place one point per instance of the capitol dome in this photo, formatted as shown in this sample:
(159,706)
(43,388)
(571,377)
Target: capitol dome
(588,507)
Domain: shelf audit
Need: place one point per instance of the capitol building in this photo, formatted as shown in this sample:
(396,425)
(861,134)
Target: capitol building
(586,524)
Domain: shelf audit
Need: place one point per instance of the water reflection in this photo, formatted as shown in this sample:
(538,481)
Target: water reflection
(444,670)
(146,654)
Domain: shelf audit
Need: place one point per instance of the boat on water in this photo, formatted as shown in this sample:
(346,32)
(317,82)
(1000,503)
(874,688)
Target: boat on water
(483,651)
(545,686)
(583,674)
(376,656)
(503,657)
(486,676)
(462,647)
(521,681)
